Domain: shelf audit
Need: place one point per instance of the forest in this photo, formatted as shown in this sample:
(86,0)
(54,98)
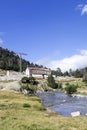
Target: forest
(9,60)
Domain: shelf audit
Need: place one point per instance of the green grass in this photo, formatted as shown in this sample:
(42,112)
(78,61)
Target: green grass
(77,82)
(82,86)
(18,112)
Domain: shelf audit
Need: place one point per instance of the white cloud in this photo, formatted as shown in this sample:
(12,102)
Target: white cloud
(79,6)
(83,8)
(43,61)
(73,62)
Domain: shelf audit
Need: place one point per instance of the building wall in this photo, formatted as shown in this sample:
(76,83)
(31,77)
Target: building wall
(27,72)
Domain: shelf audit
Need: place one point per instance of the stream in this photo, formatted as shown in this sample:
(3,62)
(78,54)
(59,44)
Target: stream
(62,104)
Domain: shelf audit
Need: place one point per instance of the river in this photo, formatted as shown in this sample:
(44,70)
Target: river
(62,104)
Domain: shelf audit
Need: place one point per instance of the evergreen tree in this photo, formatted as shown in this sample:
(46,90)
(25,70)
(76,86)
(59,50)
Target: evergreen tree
(51,82)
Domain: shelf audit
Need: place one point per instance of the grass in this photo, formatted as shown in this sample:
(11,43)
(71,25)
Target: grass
(82,86)
(79,83)
(18,112)
(82,91)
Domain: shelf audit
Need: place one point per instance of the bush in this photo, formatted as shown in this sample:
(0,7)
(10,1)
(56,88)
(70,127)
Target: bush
(26,105)
(29,88)
(27,83)
(70,89)
(25,80)
(30,80)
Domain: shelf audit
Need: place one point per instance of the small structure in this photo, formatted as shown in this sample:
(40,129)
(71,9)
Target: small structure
(37,72)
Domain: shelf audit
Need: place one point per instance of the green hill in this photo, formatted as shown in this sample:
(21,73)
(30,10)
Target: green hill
(9,60)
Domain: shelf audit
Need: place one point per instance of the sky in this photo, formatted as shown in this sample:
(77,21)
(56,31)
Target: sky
(52,33)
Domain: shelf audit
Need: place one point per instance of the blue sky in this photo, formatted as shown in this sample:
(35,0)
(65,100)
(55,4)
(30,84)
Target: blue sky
(51,32)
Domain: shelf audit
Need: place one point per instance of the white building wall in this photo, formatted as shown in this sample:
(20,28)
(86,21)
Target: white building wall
(27,72)
(37,75)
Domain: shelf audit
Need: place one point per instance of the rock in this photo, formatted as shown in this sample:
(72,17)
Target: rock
(74,114)
(25,92)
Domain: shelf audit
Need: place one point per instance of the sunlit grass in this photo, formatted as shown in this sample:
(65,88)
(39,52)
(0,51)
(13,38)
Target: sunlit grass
(19,112)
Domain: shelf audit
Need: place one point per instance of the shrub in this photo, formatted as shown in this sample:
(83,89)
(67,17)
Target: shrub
(39,107)
(25,80)
(30,80)
(26,105)
(28,83)
(70,89)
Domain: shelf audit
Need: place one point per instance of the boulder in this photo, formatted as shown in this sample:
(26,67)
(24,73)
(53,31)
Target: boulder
(74,114)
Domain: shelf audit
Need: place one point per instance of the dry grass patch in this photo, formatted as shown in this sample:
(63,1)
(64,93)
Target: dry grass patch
(82,91)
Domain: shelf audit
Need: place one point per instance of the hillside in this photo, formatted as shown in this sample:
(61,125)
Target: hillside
(9,60)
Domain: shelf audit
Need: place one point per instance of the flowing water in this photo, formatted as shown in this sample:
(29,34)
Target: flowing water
(62,104)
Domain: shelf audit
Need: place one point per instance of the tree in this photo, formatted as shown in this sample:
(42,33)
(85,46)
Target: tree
(66,73)
(59,72)
(78,73)
(70,72)
(54,72)
(51,82)
(85,74)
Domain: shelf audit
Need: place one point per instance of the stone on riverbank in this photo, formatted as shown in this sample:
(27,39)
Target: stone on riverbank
(74,114)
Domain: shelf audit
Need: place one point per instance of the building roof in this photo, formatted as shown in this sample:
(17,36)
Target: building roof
(36,68)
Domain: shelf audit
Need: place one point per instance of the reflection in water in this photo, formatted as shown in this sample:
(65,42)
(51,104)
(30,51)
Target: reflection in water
(63,104)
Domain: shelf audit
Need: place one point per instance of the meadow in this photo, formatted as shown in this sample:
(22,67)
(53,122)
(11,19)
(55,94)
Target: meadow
(19,112)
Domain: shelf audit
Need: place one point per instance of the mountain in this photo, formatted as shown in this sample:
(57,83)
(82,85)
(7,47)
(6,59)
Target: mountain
(9,60)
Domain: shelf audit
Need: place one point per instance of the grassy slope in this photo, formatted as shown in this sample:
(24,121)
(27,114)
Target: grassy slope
(16,115)
(82,86)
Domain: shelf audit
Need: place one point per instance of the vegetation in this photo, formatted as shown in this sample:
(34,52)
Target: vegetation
(57,72)
(26,105)
(85,75)
(15,114)
(29,80)
(51,82)
(9,60)
(78,73)
(29,84)
(25,80)
(71,88)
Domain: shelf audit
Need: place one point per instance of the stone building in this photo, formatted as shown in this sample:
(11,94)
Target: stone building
(37,72)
